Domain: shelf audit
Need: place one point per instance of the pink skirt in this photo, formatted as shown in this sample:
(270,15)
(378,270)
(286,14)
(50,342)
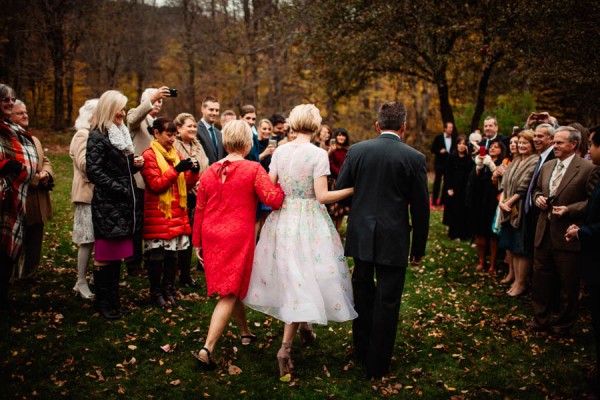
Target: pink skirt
(113,249)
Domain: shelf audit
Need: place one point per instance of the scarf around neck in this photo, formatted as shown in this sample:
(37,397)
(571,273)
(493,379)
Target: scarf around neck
(120,138)
(166,198)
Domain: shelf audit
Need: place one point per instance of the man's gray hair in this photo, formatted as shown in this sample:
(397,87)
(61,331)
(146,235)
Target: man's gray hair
(549,128)
(574,134)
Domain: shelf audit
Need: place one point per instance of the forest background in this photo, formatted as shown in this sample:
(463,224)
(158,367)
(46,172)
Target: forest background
(446,60)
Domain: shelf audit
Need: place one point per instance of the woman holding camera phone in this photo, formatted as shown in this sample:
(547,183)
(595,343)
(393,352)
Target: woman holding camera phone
(166,224)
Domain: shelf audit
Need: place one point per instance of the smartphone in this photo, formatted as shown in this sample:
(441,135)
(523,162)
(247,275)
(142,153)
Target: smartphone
(482,151)
(273,142)
(173,92)
(331,142)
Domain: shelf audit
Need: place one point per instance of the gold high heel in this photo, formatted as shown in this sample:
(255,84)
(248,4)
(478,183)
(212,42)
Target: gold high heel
(284,359)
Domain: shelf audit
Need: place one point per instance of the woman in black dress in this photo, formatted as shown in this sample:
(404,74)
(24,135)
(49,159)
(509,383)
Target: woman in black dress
(483,194)
(460,165)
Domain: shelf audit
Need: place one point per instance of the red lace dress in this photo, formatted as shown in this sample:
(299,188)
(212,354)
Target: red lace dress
(224,222)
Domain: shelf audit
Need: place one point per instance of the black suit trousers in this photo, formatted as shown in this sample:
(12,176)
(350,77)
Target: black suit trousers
(378,305)
(437,185)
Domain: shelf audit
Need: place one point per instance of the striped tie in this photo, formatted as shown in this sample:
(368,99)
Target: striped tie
(557,178)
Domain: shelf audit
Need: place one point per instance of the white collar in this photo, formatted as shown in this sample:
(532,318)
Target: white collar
(391,133)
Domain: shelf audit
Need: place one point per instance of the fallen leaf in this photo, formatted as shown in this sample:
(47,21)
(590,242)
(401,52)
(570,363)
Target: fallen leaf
(234,370)
(131,347)
(175,382)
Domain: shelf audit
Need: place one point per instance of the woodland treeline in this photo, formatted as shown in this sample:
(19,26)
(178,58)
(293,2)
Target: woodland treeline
(447,60)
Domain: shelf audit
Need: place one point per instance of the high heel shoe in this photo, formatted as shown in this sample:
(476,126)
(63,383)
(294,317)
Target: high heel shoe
(82,289)
(307,337)
(284,359)
(207,364)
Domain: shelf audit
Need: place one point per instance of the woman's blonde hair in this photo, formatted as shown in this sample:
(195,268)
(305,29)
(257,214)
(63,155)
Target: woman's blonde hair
(237,136)
(305,118)
(109,104)
(527,135)
(181,118)
(265,121)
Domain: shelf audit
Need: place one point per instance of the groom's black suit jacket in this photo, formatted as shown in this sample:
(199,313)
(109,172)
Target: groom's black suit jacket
(390,184)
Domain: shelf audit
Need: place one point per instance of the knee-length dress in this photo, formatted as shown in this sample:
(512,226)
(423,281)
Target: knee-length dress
(224,222)
(300,272)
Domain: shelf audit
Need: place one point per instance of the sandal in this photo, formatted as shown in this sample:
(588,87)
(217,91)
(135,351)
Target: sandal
(307,337)
(248,339)
(208,364)
(284,359)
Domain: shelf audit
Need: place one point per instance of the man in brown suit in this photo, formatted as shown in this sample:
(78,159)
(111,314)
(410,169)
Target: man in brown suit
(562,192)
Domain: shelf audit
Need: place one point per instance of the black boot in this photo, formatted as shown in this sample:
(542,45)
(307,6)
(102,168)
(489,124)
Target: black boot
(184,259)
(169,272)
(155,271)
(102,299)
(6,267)
(114,273)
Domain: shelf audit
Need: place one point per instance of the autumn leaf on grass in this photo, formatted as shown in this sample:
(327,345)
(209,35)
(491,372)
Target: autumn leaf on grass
(176,382)
(234,370)
(167,348)
(100,377)
(132,347)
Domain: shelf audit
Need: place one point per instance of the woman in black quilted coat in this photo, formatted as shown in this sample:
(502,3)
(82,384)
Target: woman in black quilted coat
(116,212)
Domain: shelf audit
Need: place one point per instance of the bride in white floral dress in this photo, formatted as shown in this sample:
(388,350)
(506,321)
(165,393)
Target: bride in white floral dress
(300,273)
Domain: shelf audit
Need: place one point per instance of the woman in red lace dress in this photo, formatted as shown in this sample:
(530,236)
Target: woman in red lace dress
(223,232)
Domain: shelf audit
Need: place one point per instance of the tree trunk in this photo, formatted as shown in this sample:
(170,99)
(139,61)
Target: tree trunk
(444,97)
(481,93)
(58,92)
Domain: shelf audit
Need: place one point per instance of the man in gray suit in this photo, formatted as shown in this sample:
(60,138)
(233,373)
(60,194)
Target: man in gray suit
(209,136)
(389,179)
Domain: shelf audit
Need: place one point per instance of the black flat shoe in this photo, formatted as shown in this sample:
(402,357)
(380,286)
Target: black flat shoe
(207,365)
(248,339)
(189,283)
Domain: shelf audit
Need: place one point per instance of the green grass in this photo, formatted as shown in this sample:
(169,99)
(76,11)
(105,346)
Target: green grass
(459,337)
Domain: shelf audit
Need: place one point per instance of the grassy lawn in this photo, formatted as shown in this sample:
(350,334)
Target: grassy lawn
(459,337)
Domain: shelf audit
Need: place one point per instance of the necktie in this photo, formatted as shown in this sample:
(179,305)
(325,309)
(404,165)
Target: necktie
(557,178)
(528,199)
(213,136)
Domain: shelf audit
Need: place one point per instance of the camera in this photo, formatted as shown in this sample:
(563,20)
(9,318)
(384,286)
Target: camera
(172,92)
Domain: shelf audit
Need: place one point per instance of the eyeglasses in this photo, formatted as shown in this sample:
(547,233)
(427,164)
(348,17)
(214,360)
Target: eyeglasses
(9,99)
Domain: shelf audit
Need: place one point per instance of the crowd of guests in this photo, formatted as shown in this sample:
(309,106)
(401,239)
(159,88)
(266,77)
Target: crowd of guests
(526,198)
(263,201)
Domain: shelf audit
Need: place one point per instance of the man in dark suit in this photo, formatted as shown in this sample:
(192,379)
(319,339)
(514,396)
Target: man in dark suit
(589,237)
(562,192)
(389,178)
(209,136)
(441,147)
(490,132)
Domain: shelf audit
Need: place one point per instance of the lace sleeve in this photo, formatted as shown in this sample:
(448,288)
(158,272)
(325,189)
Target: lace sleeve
(270,194)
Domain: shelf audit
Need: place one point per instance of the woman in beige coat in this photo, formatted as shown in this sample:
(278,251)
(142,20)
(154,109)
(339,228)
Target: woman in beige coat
(38,205)
(188,146)
(81,196)
(515,182)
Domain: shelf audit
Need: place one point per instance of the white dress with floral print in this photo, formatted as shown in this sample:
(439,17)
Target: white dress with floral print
(299,272)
